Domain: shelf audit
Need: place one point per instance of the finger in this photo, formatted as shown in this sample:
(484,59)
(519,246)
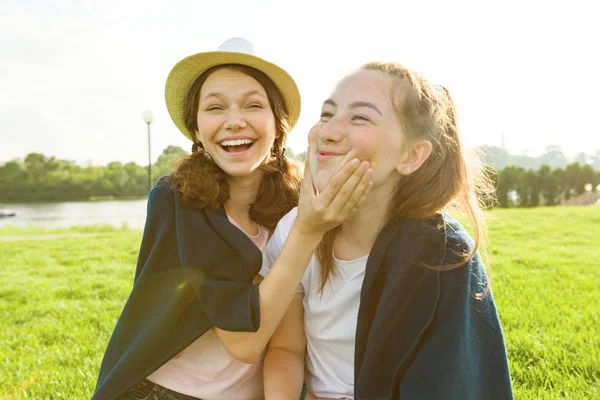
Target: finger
(336,182)
(360,194)
(343,203)
(347,189)
(359,197)
(349,156)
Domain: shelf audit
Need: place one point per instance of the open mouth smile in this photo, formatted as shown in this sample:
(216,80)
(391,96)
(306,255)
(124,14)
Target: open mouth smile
(236,145)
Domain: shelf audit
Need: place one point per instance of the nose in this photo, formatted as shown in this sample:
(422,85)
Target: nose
(330,132)
(234,121)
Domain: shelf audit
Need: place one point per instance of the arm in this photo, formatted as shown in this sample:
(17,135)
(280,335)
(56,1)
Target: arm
(317,213)
(284,362)
(276,292)
(464,355)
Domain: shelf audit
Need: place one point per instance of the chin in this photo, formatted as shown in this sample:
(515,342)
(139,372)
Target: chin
(239,170)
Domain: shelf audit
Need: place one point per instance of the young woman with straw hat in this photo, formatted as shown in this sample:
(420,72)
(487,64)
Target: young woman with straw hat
(199,317)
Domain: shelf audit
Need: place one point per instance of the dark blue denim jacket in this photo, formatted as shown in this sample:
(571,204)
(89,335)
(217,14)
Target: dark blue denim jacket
(194,271)
(425,332)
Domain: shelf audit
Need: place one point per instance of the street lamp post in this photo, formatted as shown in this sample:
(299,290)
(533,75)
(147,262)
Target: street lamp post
(147,117)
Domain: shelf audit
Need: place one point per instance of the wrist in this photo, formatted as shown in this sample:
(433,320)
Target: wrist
(306,236)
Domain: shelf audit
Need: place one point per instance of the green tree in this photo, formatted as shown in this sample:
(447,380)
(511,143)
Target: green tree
(575,179)
(137,179)
(531,184)
(115,178)
(166,161)
(589,177)
(549,186)
(35,166)
(510,180)
(11,172)
(561,179)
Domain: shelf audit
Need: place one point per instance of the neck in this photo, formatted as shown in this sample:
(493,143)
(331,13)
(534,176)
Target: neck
(242,193)
(357,235)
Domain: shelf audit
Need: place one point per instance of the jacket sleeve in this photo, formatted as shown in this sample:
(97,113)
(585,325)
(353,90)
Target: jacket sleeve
(229,305)
(219,263)
(219,281)
(462,354)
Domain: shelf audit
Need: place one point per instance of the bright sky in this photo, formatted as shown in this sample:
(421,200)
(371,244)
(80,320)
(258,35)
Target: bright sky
(75,75)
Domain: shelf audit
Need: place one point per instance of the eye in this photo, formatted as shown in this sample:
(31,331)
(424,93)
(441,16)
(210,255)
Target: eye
(254,105)
(214,108)
(326,116)
(359,117)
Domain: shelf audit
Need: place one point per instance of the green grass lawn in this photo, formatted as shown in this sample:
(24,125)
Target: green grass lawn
(60,298)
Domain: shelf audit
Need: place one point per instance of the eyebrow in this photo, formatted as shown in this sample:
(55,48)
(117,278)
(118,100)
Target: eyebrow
(356,104)
(220,95)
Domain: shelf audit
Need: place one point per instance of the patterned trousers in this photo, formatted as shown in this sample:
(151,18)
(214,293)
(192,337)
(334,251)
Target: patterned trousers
(146,390)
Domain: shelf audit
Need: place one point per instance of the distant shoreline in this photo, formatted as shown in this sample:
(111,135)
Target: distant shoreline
(91,199)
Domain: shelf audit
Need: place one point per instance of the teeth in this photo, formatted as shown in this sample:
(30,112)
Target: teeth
(238,142)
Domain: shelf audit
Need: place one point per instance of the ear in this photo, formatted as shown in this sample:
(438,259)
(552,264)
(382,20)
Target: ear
(417,155)
(197,136)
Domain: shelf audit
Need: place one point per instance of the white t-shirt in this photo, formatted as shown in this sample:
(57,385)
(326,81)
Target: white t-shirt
(329,318)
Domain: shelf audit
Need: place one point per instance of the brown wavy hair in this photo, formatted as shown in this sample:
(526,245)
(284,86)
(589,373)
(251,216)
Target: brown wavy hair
(202,184)
(452,179)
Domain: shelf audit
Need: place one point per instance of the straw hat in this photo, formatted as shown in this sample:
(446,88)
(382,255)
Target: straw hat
(233,51)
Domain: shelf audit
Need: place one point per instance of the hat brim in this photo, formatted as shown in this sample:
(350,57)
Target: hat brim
(186,71)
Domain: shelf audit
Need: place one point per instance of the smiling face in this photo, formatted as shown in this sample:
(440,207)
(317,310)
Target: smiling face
(358,120)
(236,124)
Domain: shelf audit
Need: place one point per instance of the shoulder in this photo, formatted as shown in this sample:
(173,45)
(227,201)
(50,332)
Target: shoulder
(459,243)
(471,274)
(421,240)
(277,240)
(440,243)
(435,226)
(456,234)
(163,201)
(162,194)
(440,233)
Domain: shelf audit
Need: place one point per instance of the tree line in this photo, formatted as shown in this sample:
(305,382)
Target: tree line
(39,178)
(519,187)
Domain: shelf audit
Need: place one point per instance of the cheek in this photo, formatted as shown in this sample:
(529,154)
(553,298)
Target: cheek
(312,135)
(380,152)
(264,125)
(208,127)
(366,147)
(320,174)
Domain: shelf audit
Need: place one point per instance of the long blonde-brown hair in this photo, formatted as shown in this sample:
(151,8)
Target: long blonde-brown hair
(452,179)
(200,181)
